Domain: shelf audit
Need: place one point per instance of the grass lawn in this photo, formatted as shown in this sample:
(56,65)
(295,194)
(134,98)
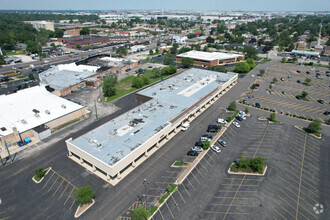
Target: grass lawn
(21,77)
(10,72)
(180,163)
(124,86)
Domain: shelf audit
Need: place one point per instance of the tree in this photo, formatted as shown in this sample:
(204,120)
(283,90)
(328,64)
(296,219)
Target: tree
(39,173)
(151,52)
(304,94)
(33,47)
(187,62)
(31,76)
(270,86)
(272,116)
(78,46)
(314,126)
(58,33)
(275,80)
(2,61)
(121,51)
(84,195)
(254,86)
(157,50)
(168,43)
(251,62)
(250,52)
(206,144)
(308,80)
(137,82)
(84,31)
(232,106)
(283,60)
(262,72)
(140,213)
(247,110)
(109,86)
(242,68)
(168,59)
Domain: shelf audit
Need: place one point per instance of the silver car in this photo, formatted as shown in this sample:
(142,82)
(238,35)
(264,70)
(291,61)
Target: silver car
(197,149)
(236,124)
(216,149)
(222,142)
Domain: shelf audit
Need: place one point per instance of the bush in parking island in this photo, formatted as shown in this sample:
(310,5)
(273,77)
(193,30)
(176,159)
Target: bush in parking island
(206,145)
(247,110)
(232,106)
(84,195)
(39,173)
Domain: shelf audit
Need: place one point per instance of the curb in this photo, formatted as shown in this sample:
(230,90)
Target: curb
(37,182)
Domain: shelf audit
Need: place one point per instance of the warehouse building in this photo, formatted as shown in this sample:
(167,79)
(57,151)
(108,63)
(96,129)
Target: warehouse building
(67,78)
(210,59)
(116,148)
(34,113)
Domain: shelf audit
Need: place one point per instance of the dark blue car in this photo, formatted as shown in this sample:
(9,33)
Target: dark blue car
(239,118)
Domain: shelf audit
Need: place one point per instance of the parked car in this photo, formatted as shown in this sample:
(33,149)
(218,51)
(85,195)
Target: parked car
(319,77)
(326,113)
(298,81)
(222,142)
(308,72)
(150,67)
(236,124)
(282,79)
(213,128)
(199,144)
(197,149)
(298,71)
(258,105)
(216,149)
(283,92)
(289,77)
(221,121)
(192,153)
(298,97)
(239,118)
(244,101)
(206,137)
(185,126)
(320,101)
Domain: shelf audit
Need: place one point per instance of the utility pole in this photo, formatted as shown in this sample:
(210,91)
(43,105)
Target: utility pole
(95,109)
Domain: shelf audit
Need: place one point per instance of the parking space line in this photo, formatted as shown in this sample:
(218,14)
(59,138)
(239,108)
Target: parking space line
(204,167)
(226,178)
(207,162)
(169,171)
(288,204)
(72,204)
(229,205)
(175,203)
(169,177)
(170,183)
(157,189)
(261,142)
(235,191)
(65,179)
(186,190)
(181,196)
(234,197)
(195,177)
(153,196)
(303,181)
(68,196)
(199,171)
(53,184)
(301,173)
(58,187)
(63,192)
(280,214)
(303,186)
(228,213)
(49,179)
(169,210)
(211,158)
(191,184)
(160,212)
(5,218)
(285,209)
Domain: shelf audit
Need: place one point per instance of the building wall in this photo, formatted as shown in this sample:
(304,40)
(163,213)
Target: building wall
(114,174)
(66,118)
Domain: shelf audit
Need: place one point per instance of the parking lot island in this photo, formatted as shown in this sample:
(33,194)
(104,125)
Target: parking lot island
(116,148)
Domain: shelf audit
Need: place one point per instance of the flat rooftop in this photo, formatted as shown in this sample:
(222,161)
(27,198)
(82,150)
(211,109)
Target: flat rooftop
(66,75)
(20,109)
(116,139)
(208,56)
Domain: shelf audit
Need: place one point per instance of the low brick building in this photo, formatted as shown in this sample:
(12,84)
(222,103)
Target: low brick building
(72,42)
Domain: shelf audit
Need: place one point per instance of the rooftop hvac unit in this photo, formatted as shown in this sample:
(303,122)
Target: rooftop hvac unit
(37,115)
(63,106)
(47,112)
(24,121)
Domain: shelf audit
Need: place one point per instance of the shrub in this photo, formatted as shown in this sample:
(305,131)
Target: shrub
(137,82)
(272,117)
(140,213)
(84,195)
(39,173)
(232,106)
(229,118)
(153,210)
(247,110)
(314,126)
(206,145)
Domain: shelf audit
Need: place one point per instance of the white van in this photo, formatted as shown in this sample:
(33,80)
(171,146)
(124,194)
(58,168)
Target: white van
(185,126)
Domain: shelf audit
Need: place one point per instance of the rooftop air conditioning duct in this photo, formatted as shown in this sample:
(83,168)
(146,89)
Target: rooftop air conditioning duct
(63,106)
(47,112)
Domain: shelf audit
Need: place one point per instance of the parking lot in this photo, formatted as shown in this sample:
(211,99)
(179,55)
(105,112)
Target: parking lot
(290,188)
(282,96)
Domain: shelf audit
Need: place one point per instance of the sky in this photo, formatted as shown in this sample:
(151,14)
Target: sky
(222,5)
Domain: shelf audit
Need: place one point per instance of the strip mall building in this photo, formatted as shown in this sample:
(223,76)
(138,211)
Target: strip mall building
(116,148)
(210,58)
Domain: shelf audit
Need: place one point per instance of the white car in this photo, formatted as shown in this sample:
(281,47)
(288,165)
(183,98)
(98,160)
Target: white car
(236,124)
(221,121)
(216,149)
(197,149)
(185,126)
